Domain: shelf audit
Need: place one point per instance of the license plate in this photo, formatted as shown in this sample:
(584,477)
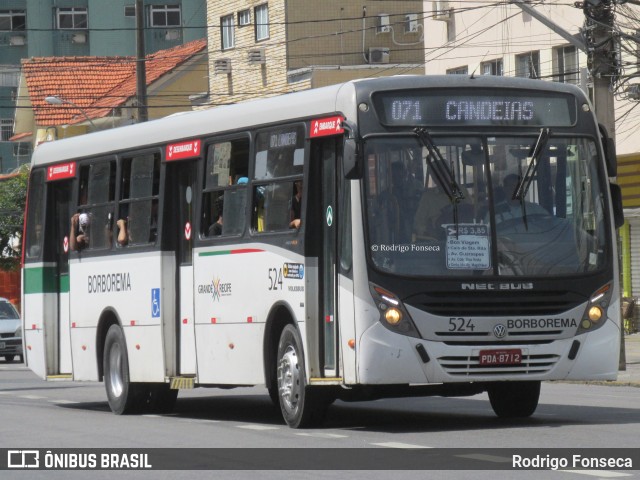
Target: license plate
(511,356)
(2,345)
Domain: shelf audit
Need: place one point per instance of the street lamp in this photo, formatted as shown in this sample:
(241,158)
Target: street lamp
(53,100)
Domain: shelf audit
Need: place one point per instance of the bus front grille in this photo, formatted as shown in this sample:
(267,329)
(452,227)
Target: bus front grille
(468,366)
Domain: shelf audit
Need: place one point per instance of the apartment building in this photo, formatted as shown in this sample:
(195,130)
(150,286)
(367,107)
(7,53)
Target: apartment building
(263,48)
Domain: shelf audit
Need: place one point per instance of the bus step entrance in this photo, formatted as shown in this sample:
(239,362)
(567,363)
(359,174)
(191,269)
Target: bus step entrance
(182,383)
(64,377)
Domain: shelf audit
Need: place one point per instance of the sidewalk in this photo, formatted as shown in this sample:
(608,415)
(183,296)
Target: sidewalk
(630,376)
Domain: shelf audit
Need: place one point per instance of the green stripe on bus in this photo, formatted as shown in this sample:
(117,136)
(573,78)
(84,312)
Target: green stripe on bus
(230,252)
(43,280)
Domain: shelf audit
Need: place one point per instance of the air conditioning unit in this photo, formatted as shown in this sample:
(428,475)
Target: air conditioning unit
(441,10)
(411,23)
(172,35)
(383,24)
(378,55)
(79,38)
(222,66)
(257,56)
(16,40)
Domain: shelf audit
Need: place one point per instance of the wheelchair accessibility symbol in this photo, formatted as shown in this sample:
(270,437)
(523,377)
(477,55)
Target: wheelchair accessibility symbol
(155,302)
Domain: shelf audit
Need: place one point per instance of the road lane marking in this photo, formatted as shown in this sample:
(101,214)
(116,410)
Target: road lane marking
(63,402)
(31,397)
(486,458)
(258,427)
(399,445)
(322,435)
(599,473)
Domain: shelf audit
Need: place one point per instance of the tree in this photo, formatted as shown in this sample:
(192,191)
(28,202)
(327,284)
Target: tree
(13,196)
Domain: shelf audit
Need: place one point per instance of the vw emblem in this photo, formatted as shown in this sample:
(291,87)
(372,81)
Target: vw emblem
(500,331)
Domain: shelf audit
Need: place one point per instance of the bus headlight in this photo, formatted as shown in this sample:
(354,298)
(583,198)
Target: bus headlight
(393,314)
(595,313)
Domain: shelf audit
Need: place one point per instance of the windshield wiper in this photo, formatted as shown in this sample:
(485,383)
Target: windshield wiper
(534,154)
(438,165)
(442,174)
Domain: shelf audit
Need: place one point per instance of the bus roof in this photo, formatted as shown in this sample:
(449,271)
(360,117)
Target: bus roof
(292,106)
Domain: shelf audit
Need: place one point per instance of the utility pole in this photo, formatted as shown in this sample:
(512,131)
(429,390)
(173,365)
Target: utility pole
(141,67)
(602,60)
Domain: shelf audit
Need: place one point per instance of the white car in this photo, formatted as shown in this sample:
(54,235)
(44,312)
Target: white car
(10,332)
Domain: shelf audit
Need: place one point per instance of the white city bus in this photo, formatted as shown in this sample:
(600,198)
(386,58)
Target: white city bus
(454,235)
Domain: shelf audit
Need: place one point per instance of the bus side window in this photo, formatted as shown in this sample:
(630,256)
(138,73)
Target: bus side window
(225,184)
(138,209)
(95,204)
(279,163)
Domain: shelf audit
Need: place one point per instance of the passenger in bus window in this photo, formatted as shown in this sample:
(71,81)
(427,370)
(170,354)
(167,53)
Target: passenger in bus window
(507,207)
(123,237)
(215,229)
(296,206)
(79,234)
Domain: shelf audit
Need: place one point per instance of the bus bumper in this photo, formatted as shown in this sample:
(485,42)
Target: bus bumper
(388,358)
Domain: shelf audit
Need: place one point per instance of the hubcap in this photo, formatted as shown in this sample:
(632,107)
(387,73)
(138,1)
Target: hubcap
(289,379)
(116,384)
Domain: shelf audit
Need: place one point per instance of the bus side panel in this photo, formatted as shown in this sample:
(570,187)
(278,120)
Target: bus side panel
(347,329)
(40,321)
(232,307)
(230,353)
(129,287)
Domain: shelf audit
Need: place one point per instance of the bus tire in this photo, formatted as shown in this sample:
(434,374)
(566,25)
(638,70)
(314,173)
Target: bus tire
(514,399)
(121,393)
(301,405)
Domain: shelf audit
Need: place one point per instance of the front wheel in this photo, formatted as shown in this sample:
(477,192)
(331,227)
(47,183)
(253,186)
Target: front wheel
(514,399)
(301,405)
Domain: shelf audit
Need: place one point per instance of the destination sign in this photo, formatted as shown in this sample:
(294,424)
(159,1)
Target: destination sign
(485,108)
(61,171)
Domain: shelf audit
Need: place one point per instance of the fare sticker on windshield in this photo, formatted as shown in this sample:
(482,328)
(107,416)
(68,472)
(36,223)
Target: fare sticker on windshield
(468,246)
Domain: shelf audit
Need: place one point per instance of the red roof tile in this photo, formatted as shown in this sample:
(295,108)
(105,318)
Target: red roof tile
(95,84)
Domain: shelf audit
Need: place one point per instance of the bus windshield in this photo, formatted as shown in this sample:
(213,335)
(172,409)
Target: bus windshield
(517,213)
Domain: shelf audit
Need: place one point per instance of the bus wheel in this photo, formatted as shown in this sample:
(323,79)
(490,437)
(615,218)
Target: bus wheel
(120,391)
(514,399)
(301,405)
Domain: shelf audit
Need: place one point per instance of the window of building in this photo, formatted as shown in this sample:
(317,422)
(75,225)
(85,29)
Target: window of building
(261,14)
(138,208)
(72,18)
(225,188)
(228,32)
(458,71)
(6,129)
(165,15)
(566,66)
(279,161)
(244,18)
(493,67)
(129,10)
(12,20)
(95,200)
(528,65)
(22,149)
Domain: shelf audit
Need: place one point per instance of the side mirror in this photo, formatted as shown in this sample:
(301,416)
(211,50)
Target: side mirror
(609,151)
(616,203)
(350,163)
